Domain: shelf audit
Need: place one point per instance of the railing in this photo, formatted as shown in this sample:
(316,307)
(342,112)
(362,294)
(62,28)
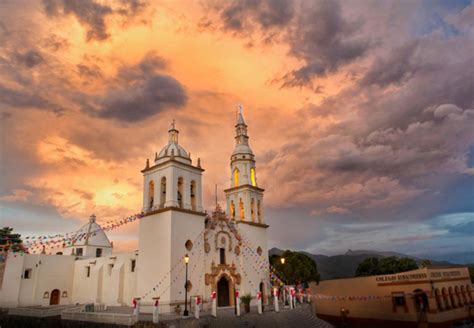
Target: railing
(79,314)
(42,313)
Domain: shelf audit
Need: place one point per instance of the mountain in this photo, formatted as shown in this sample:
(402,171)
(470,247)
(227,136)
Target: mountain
(344,266)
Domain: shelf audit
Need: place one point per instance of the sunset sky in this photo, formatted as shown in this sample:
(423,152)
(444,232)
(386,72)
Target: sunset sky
(360,113)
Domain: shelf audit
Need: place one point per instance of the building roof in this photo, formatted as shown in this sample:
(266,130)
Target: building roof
(91,234)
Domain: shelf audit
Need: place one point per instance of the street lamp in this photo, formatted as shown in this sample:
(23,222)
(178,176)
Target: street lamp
(186,313)
(282,260)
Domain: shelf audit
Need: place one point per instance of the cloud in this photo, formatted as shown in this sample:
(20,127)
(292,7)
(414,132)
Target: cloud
(144,99)
(26,99)
(29,59)
(88,12)
(239,16)
(324,40)
(18,195)
(316,32)
(93,14)
(397,67)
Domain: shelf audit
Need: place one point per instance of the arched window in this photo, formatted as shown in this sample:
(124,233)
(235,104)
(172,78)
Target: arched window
(463,294)
(236,177)
(252,209)
(458,296)
(447,306)
(452,298)
(163,192)
(259,212)
(180,192)
(252,177)
(241,209)
(469,293)
(232,209)
(193,195)
(439,303)
(151,194)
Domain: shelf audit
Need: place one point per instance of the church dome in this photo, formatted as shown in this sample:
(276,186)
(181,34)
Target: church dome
(173,150)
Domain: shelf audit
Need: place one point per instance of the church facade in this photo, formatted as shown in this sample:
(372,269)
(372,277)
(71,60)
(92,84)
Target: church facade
(224,252)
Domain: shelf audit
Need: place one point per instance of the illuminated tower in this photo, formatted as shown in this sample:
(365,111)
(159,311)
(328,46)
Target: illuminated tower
(244,197)
(245,207)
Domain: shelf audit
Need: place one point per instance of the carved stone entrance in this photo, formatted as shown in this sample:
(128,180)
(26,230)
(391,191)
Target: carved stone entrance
(223,292)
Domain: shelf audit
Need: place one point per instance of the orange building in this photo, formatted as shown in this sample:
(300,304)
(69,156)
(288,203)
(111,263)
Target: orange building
(427,297)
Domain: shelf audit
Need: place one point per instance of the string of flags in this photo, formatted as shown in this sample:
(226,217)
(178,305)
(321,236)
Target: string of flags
(196,242)
(32,244)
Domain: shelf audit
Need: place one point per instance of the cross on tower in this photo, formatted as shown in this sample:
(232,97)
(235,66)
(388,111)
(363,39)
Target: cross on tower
(173,123)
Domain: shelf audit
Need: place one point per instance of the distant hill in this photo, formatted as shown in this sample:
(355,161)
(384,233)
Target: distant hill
(344,266)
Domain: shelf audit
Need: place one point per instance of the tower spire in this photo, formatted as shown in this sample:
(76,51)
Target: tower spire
(173,133)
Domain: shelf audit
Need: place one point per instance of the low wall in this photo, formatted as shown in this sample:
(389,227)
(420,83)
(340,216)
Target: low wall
(78,314)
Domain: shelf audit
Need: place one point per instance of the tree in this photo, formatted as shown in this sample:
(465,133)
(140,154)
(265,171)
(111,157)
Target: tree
(298,268)
(368,267)
(471,273)
(388,265)
(10,241)
(425,263)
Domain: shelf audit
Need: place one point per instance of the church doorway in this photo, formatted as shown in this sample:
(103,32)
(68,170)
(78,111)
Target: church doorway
(54,299)
(223,294)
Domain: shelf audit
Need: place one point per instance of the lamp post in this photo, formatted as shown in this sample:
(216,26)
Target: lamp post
(186,313)
(282,260)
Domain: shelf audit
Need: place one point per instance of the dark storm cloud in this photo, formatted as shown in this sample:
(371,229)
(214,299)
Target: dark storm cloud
(144,99)
(131,7)
(88,12)
(399,66)
(139,91)
(147,67)
(240,15)
(316,32)
(29,58)
(93,14)
(324,40)
(26,99)
(89,71)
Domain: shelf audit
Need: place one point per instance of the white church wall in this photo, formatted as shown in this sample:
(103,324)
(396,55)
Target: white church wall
(113,285)
(187,226)
(255,237)
(154,254)
(87,288)
(48,272)
(12,280)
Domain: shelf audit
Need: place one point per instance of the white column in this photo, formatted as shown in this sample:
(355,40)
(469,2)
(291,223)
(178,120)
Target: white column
(292,293)
(136,307)
(214,304)
(156,310)
(197,306)
(259,302)
(275,296)
(237,302)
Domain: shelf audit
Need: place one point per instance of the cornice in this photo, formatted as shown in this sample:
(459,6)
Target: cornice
(174,208)
(244,187)
(255,224)
(171,161)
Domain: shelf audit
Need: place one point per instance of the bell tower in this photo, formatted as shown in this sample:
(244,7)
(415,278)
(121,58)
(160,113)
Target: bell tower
(244,197)
(245,208)
(172,219)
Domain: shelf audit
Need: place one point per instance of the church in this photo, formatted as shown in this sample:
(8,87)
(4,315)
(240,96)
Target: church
(181,246)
